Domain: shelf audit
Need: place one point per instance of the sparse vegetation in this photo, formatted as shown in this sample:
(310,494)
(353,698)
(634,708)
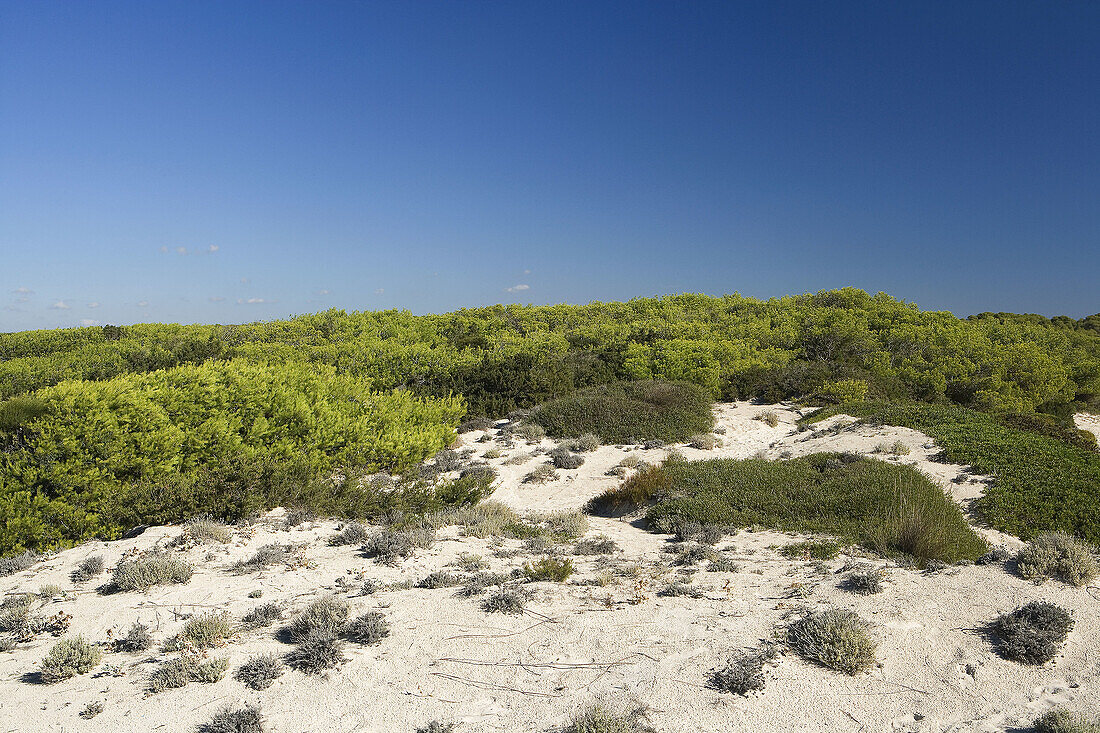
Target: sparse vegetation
(88,568)
(584,444)
(768,417)
(1060,720)
(507,599)
(565,458)
(370,628)
(436,727)
(204,530)
(203,632)
(316,652)
(323,616)
(1033,633)
(352,533)
(811,550)
(604,718)
(865,581)
(634,493)
(92,709)
(187,668)
(835,638)
(551,569)
(68,658)
(17,563)
(142,573)
(441,579)
(266,556)
(601,544)
(703,441)
(263,615)
(744,672)
(389,546)
(1058,555)
(229,720)
(679,588)
(260,672)
(543,472)
(137,639)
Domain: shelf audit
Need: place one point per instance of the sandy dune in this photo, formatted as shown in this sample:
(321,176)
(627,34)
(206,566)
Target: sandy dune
(447,659)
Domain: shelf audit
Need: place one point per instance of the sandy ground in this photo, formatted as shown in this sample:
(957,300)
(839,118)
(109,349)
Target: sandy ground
(447,659)
(1088,422)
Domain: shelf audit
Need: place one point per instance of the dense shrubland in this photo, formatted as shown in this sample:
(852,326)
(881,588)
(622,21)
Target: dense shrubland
(106,428)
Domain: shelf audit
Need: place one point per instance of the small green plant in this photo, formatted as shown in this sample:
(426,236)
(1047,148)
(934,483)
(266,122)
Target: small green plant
(316,652)
(564,458)
(1060,555)
(584,444)
(88,568)
(137,639)
(605,718)
(481,582)
(260,672)
(703,441)
(370,628)
(491,454)
(1063,721)
(898,448)
(723,564)
(543,472)
(142,573)
(768,417)
(744,672)
(203,632)
(530,432)
(390,546)
(262,615)
(229,720)
(69,657)
(49,591)
(325,616)
(441,579)
(352,533)
(835,638)
(184,669)
(471,563)
(549,569)
(811,550)
(1033,633)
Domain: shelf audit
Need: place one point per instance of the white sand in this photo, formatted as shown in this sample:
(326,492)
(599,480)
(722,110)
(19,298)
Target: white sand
(446,659)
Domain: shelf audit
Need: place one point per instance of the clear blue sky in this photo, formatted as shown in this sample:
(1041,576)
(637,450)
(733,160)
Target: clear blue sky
(234,161)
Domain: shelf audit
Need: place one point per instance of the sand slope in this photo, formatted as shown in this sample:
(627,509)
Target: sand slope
(447,659)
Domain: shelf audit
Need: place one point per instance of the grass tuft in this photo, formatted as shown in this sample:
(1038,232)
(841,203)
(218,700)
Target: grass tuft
(551,569)
(88,568)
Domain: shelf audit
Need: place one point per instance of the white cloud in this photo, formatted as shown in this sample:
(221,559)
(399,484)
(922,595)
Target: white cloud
(22,299)
(216,298)
(379,291)
(181,250)
(60,306)
(518,288)
(526,272)
(244,281)
(89,322)
(253,301)
(143,304)
(24,291)
(93,304)
(323,291)
(213,248)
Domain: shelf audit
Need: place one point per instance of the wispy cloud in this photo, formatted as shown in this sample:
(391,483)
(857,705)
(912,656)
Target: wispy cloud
(93,304)
(184,251)
(323,291)
(254,301)
(89,322)
(143,304)
(23,291)
(526,272)
(379,291)
(216,299)
(60,306)
(518,288)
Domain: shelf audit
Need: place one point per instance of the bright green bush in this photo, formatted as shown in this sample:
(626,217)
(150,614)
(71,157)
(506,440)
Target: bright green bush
(888,508)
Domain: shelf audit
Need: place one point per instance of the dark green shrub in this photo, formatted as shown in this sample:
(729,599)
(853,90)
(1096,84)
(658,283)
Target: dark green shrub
(630,412)
(634,493)
(835,638)
(1033,633)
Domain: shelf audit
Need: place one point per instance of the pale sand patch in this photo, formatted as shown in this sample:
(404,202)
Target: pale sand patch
(446,659)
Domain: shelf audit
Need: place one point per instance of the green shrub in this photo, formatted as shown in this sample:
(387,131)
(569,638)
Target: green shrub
(15,612)
(316,652)
(481,582)
(551,569)
(352,533)
(864,581)
(390,546)
(204,631)
(768,417)
(630,412)
(204,531)
(811,550)
(543,472)
(263,615)
(260,672)
(182,670)
(598,545)
(835,638)
(69,657)
(1033,633)
(635,492)
(604,718)
(1057,554)
(1063,721)
(888,508)
(241,720)
(584,444)
(325,616)
(266,556)
(703,441)
(565,458)
(441,579)
(142,573)
(88,568)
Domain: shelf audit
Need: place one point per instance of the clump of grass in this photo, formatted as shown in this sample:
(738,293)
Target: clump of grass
(88,568)
(680,589)
(811,550)
(889,508)
(630,412)
(370,628)
(691,553)
(241,720)
(92,709)
(325,616)
(389,546)
(486,519)
(635,492)
(137,639)
(543,472)
(15,612)
(1033,633)
(708,533)
(1063,721)
(744,672)
(564,458)
(316,652)
(185,669)
(1060,555)
(17,563)
(352,533)
(584,444)
(601,544)
(865,581)
(723,564)
(203,632)
(441,579)
(835,638)
(142,573)
(204,531)
(266,556)
(604,718)
(768,417)
(260,672)
(563,525)
(703,441)
(68,658)
(49,591)
(436,727)
(491,454)
(531,432)
(508,599)
(262,615)
(471,563)
(549,569)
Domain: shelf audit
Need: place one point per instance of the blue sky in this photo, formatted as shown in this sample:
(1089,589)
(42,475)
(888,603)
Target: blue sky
(231,162)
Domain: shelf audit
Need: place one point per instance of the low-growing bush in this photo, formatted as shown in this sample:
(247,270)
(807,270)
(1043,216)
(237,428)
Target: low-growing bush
(601,544)
(203,632)
(811,550)
(565,458)
(389,546)
(69,657)
(262,615)
(142,573)
(229,720)
(680,589)
(768,417)
(604,718)
(703,441)
(1063,721)
(634,493)
(316,652)
(260,672)
(723,564)
(185,669)
(325,616)
(92,709)
(744,672)
(17,563)
(531,432)
(549,569)
(563,525)
(137,639)
(707,533)
(543,472)
(15,612)
(629,412)
(266,556)
(583,444)
(1060,555)
(436,727)
(835,638)
(864,581)
(370,628)
(487,519)
(204,531)
(481,582)
(1033,633)
(352,533)
(441,579)
(508,599)
(88,568)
